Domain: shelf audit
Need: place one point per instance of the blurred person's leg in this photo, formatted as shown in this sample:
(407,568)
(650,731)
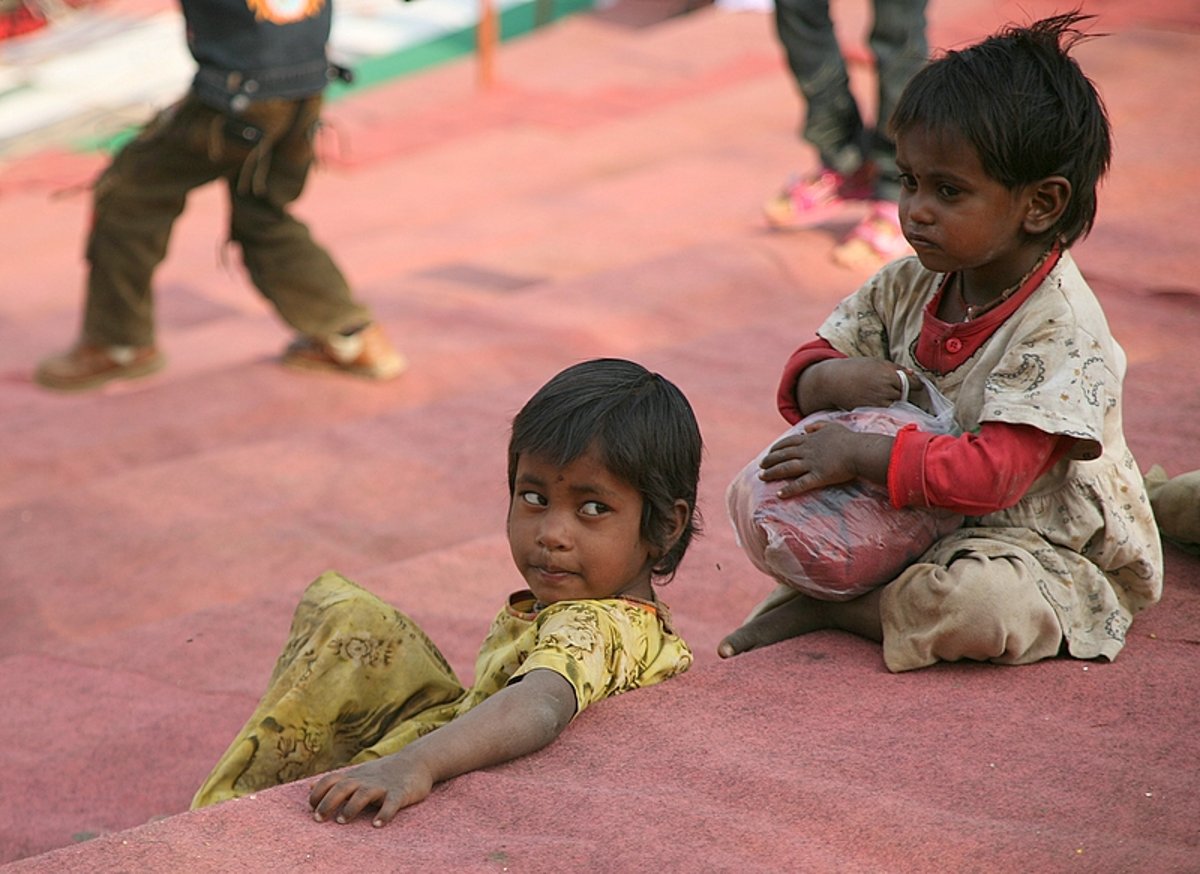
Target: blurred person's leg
(900,47)
(832,123)
(135,204)
(289,268)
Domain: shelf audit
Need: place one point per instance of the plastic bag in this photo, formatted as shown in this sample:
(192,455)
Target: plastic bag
(839,542)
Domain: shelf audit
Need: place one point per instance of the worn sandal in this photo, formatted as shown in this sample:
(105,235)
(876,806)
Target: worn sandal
(877,238)
(806,202)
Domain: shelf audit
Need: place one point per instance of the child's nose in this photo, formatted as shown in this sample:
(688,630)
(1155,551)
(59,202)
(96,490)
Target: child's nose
(917,206)
(554,531)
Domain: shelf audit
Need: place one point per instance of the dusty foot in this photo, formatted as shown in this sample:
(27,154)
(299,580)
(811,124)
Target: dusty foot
(790,618)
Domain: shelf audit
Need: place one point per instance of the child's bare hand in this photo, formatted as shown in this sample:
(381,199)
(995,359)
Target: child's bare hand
(391,784)
(846,383)
(821,456)
(824,455)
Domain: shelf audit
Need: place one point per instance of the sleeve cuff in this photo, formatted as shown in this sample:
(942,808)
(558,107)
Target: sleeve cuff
(906,468)
(807,355)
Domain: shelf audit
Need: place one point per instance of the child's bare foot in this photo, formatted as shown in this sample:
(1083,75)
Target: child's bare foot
(801,614)
(792,617)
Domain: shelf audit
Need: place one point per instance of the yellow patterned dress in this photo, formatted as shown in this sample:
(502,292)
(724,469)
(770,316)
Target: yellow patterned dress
(357,679)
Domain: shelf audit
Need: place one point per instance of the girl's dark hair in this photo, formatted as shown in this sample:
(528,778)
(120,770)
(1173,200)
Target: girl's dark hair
(640,425)
(1027,108)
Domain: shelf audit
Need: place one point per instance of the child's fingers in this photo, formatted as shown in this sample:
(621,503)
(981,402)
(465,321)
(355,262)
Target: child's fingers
(392,804)
(321,788)
(333,796)
(783,468)
(801,484)
(792,456)
(362,798)
(784,443)
(796,473)
(792,441)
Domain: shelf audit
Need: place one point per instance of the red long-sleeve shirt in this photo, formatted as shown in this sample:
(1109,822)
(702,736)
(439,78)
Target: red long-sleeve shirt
(973,474)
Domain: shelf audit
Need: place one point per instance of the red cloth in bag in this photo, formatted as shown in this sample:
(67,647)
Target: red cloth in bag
(838,542)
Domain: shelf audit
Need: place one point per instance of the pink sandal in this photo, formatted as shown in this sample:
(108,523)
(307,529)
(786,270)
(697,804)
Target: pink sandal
(807,202)
(875,239)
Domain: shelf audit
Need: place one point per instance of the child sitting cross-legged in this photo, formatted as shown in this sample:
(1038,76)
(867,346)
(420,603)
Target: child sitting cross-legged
(1000,148)
(603,469)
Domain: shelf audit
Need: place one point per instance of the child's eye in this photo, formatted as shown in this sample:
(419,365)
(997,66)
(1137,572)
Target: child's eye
(534,499)
(593,508)
(948,192)
(908,182)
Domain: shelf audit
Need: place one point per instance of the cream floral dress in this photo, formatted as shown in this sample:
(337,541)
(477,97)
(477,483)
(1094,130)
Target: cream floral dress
(357,679)
(1055,365)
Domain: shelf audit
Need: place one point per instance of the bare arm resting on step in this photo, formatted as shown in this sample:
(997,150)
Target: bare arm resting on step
(518,720)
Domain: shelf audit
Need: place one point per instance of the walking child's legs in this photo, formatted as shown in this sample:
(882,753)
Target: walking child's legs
(352,669)
(899,43)
(264,155)
(832,122)
(288,267)
(857,165)
(136,202)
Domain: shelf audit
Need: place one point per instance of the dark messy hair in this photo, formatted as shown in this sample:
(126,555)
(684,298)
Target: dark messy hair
(642,428)
(1027,108)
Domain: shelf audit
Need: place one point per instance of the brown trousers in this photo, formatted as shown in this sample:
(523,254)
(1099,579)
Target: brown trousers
(263,155)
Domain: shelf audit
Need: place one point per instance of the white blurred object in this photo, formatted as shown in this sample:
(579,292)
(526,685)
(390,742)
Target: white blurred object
(746,5)
(96,70)
(89,64)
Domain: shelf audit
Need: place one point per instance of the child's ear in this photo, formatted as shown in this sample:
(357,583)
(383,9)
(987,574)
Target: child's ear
(1048,200)
(680,514)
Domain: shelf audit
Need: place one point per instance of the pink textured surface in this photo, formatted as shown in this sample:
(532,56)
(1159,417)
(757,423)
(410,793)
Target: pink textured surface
(602,200)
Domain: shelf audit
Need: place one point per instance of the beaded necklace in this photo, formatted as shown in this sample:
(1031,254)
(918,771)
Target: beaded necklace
(973,311)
